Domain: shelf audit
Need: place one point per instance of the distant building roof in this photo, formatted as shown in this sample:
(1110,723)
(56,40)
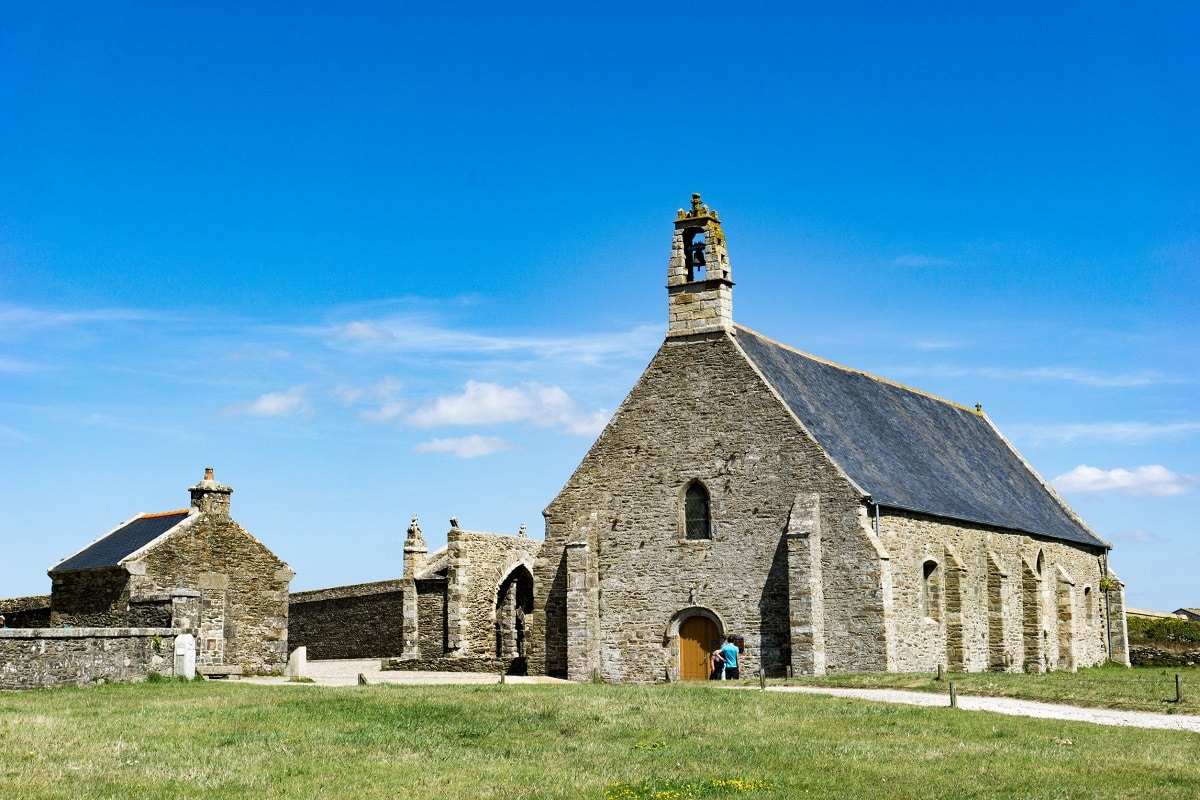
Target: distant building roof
(910,450)
(1191,613)
(108,550)
(1147,614)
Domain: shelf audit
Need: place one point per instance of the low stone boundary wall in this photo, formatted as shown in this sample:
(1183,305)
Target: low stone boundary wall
(509,666)
(32,658)
(360,621)
(1142,655)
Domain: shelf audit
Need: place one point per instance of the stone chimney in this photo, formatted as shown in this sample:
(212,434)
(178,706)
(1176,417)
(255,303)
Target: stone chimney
(210,497)
(699,287)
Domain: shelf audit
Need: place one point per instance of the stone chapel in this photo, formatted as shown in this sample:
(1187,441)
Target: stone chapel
(831,519)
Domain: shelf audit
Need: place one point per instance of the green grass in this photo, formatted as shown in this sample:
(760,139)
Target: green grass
(1110,686)
(229,740)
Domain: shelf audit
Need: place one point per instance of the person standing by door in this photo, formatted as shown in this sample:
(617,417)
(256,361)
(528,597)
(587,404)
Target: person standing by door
(729,652)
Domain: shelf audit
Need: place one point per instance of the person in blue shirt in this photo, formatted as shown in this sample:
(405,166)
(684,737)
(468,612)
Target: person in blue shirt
(729,652)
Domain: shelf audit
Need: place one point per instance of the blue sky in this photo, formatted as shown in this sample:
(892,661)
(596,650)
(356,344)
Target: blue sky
(398,258)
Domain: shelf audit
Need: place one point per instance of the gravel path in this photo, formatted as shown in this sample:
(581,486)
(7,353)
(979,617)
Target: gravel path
(1019,708)
(346,672)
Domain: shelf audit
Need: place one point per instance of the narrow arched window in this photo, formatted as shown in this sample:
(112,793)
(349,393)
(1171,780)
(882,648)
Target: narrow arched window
(1041,564)
(1089,606)
(696,515)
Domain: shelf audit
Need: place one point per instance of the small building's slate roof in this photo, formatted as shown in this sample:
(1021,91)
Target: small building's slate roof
(108,550)
(910,450)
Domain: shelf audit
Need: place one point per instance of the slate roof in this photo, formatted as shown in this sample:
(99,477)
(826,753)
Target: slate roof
(108,550)
(910,450)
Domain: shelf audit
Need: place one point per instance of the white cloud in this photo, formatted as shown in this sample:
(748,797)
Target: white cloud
(1118,432)
(272,404)
(482,403)
(1153,479)
(465,447)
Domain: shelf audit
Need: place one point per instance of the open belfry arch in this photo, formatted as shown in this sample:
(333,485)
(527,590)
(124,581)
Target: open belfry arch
(834,520)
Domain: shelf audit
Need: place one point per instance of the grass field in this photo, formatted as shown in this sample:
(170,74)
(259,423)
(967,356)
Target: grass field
(1112,686)
(225,740)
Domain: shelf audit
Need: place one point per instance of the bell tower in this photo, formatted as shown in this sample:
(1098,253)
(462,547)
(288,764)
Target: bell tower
(699,289)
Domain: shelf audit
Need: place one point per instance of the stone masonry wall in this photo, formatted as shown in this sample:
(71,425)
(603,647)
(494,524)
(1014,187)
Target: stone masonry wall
(26,612)
(987,641)
(243,583)
(700,412)
(360,621)
(90,598)
(478,563)
(36,658)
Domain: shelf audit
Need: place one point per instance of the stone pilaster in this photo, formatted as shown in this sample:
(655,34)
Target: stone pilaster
(806,597)
(1118,626)
(458,592)
(583,613)
(210,647)
(415,554)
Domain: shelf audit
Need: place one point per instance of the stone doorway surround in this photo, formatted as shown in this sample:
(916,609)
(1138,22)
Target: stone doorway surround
(690,637)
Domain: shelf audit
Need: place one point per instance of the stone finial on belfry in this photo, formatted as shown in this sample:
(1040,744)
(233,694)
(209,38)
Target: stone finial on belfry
(414,530)
(454,523)
(979,409)
(521,532)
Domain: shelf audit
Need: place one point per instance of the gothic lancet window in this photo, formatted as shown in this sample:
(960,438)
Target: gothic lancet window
(697,518)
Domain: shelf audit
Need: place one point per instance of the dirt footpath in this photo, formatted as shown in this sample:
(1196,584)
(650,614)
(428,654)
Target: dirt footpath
(1019,708)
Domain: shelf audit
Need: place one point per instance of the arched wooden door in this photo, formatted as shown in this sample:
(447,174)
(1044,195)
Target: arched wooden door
(698,637)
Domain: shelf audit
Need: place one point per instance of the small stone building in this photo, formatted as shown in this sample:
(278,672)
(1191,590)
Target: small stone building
(196,569)
(463,607)
(832,519)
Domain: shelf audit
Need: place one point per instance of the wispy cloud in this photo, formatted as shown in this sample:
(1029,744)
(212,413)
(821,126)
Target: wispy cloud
(1139,536)
(386,405)
(1082,377)
(1153,480)
(465,447)
(414,334)
(8,434)
(1111,432)
(18,320)
(914,260)
(286,403)
(13,365)
(482,403)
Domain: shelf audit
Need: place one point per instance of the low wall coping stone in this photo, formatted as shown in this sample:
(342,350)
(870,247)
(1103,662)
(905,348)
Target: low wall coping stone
(86,633)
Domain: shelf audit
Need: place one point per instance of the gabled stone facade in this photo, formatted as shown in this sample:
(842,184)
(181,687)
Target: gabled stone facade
(199,570)
(833,520)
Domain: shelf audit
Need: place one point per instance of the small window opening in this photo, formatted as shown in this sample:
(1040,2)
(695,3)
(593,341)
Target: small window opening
(1089,606)
(697,519)
(1041,564)
(694,246)
(931,587)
